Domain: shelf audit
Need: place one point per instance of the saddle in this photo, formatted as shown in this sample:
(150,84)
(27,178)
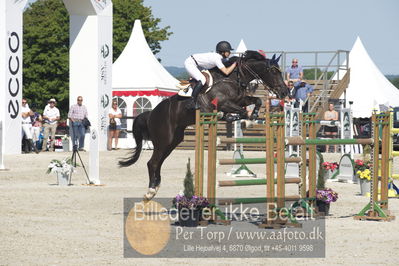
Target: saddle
(186,86)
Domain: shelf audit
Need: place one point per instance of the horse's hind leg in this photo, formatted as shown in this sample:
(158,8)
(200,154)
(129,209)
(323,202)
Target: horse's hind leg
(155,163)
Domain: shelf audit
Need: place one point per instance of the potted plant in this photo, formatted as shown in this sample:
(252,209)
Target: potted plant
(362,171)
(324,195)
(189,206)
(63,169)
(331,169)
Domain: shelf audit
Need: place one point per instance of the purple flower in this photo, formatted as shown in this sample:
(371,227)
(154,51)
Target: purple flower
(327,195)
(191,203)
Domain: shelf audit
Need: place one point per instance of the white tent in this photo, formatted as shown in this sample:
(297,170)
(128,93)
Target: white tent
(139,81)
(137,67)
(241,48)
(368,87)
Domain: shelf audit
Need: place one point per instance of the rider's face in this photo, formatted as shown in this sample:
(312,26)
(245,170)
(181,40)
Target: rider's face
(226,54)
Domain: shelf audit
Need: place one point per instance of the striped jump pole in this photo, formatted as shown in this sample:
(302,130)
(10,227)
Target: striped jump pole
(300,141)
(256,161)
(253,182)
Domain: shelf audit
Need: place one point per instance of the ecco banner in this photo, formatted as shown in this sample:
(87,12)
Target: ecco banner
(11,73)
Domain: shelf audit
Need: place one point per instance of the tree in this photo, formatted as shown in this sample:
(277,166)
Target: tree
(309,74)
(395,82)
(46,46)
(46,54)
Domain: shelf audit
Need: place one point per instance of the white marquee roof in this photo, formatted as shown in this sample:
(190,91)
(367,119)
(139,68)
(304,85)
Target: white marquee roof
(368,87)
(137,68)
(241,48)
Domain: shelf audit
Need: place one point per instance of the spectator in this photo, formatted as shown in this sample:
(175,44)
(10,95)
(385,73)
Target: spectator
(290,99)
(76,114)
(331,131)
(26,113)
(115,115)
(294,72)
(51,115)
(36,126)
(302,92)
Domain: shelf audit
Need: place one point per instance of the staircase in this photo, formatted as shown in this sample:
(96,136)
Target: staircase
(323,93)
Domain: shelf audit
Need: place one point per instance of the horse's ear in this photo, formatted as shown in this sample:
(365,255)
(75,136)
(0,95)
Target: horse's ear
(274,57)
(278,58)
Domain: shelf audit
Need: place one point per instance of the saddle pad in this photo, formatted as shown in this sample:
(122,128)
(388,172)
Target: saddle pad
(209,79)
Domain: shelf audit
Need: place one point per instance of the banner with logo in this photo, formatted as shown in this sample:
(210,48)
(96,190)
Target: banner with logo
(346,128)
(90,62)
(11,74)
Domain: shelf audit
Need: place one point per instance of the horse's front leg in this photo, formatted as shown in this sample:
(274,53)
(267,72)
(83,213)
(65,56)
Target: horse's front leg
(231,107)
(248,100)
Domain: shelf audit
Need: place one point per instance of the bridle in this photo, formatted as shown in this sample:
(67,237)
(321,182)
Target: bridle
(242,65)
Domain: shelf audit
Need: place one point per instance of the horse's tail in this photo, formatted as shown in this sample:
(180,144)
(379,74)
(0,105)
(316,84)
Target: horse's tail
(140,133)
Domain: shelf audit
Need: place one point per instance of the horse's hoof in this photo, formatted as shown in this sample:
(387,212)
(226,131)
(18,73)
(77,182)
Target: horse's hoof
(150,194)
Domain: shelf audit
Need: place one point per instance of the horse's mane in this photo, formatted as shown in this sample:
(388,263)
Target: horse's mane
(249,54)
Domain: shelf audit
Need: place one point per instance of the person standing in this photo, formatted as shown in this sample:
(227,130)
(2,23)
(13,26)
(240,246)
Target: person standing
(26,113)
(331,131)
(76,114)
(115,115)
(294,72)
(51,115)
(303,91)
(36,126)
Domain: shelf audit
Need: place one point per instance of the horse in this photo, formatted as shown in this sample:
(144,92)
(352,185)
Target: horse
(165,124)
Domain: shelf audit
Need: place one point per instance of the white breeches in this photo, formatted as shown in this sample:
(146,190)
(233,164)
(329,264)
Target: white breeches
(193,70)
(35,133)
(26,131)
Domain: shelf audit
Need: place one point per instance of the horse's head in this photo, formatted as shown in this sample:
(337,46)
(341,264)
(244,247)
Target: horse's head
(268,71)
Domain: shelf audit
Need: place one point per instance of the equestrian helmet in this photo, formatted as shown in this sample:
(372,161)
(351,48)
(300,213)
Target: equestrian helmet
(223,46)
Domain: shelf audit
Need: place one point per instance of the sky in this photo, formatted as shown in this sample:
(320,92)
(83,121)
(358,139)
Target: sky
(289,25)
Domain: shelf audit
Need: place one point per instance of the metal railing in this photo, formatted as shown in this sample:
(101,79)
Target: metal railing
(323,61)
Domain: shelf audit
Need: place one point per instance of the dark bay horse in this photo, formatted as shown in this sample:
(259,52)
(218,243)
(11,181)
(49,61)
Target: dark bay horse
(165,124)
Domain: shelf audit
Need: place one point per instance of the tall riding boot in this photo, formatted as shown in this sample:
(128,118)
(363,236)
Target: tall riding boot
(196,91)
(33,145)
(26,145)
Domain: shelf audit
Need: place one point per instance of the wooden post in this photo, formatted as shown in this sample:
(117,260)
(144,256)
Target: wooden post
(376,151)
(199,155)
(280,149)
(269,155)
(312,160)
(384,160)
(212,131)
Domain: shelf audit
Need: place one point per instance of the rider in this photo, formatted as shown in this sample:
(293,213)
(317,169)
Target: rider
(197,62)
